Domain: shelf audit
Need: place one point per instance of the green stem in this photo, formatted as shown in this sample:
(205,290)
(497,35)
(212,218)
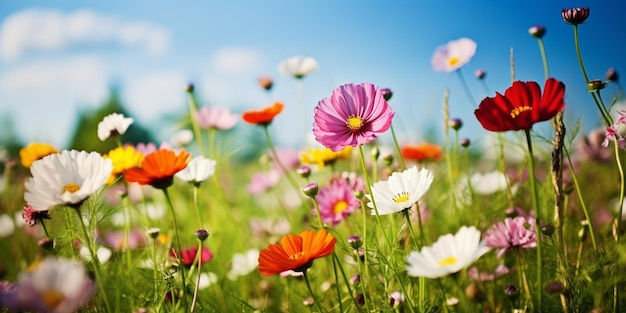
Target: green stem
(538,216)
(308,285)
(369,190)
(544,58)
(292,181)
(397,146)
(195,205)
(195,292)
(337,285)
(580,58)
(364,278)
(318,213)
(193,107)
(168,200)
(582,202)
(466,88)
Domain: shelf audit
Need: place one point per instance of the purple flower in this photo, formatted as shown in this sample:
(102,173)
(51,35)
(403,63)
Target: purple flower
(353,116)
(500,270)
(615,132)
(336,201)
(590,147)
(216,117)
(517,232)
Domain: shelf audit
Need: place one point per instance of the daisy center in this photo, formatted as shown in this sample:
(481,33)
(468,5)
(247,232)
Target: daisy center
(447,261)
(340,206)
(401,197)
(453,61)
(71,188)
(52,298)
(296,256)
(517,111)
(354,122)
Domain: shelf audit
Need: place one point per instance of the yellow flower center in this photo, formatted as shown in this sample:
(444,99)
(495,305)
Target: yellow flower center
(447,261)
(296,256)
(515,112)
(52,298)
(340,206)
(453,61)
(354,122)
(71,188)
(401,197)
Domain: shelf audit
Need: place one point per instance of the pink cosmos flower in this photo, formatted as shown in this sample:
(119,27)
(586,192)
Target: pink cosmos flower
(336,201)
(216,117)
(188,255)
(499,271)
(117,241)
(614,132)
(263,181)
(517,232)
(353,115)
(453,55)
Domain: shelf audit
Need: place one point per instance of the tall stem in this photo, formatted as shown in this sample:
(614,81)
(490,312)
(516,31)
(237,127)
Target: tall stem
(168,200)
(308,285)
(544,58)
(538,216)
(397,146)
(369,190)
(193,107)
(270,144)
(466,88)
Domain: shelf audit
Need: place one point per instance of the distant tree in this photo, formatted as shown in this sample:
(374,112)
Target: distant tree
(85,135)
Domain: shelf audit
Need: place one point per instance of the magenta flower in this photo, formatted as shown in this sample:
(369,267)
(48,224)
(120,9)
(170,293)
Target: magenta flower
(216,117)
(188,255)
(336,201)
(353,115)
(517,232)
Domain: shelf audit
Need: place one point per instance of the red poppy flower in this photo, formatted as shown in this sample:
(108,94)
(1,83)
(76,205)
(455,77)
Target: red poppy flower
(188,256)
(158,168)
(422,152)
(263,116)
(521,106)
(296,252)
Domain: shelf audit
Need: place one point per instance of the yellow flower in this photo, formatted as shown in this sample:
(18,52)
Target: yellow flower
(123,158)
(34,152)
(324,156)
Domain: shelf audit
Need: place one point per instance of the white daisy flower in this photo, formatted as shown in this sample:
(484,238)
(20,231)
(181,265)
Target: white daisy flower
(449,254)
(6,225)
(198,170)
(182,138)
(298,66)
(113,125)
(66,178)
(243,264)
(52,286)
(400,191)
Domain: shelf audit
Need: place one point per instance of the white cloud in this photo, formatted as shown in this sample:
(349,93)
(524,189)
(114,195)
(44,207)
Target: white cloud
(237,61)
(52,30)
(153,94)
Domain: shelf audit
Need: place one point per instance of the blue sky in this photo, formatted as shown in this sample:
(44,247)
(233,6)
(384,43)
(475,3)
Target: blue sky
(50,73)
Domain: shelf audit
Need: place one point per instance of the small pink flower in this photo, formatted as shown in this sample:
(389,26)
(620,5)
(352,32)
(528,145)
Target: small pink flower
(517,232)
(216,117)
(31,216)
(117,241)
(263,181)
(336,201)
(188,255)
(353,116)
(500,270)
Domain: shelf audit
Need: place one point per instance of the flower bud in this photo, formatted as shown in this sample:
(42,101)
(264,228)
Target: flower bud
(266,82)
(304,171)
(359,194)
(189,87)
(153,232)
(575,16)
(512,292)
(472,292)
(355,279)
(396,299)
(311,189)
(202,234)
(537,31)
(455,123)
(547,229)
(388,159)
(308,302)
(465,142)
(611,75)
(480,74)
(595,85)
(375,153)
(360,299)
(46,243)
(387,93)
(355,241)
(555,287)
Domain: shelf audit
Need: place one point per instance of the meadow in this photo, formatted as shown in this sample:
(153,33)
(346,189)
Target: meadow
(350,224)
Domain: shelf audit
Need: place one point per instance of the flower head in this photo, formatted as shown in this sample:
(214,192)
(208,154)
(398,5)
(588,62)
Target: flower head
(324,156)
(123,158)
(449,254)
(182,138)
(66,178)
(158,168)
(537,31)
(216,118)
(188,255)
(337,201)
(354,115)
(611,75)
(453,55)
(575,16)
(266,82)
(296,252)
(517,232)
(243,264)
(31,216)
(51,286)
(422,152)
(198,170)
(298,66)
(264,116)
(401,191)
(34,152)
(113,125)
(521,106)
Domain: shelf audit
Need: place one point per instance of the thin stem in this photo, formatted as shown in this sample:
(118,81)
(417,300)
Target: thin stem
(362,270)
(485,87)
(544,58)
(621,191)
(337,285)
(369,190)
(308,285)
(466,88)
(168,200)
(580,58)
(538,216)
(268,138)
(582,202)
(397,146)
(196,207)
(318,213)
(193,107)
(195,292)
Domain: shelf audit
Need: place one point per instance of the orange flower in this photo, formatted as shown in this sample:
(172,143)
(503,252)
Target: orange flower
(158,168)
(296,252)
(422,152)
(34,152)
(263,116)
